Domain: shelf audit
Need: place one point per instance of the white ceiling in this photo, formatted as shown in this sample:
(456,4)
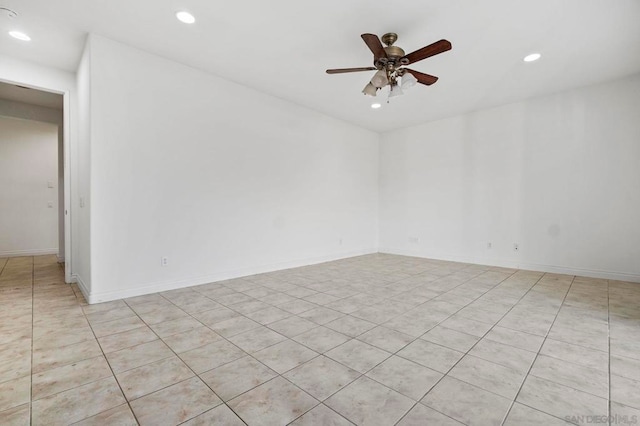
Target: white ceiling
(25,95)
(282,47)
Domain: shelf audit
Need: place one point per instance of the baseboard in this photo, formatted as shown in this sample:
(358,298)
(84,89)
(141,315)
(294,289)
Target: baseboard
(32,252)
(82,286)
(225,275)
(556,269)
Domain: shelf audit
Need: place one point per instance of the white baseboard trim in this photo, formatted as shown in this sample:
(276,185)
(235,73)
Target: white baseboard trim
(225,275)
(32,252)
(81,285)
(567,270)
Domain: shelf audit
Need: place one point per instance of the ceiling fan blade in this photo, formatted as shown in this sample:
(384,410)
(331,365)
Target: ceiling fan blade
(375,45)
(422,77)
(343,70)
(428,51)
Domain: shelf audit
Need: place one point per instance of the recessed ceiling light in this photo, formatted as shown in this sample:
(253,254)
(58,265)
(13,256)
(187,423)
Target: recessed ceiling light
(19,35)
(185,17)
(532,57)
(375,106)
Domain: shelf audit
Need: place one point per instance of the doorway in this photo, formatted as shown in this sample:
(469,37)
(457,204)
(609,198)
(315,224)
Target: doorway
(34,195)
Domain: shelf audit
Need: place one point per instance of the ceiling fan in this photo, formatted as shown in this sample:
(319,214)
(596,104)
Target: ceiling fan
(390,61)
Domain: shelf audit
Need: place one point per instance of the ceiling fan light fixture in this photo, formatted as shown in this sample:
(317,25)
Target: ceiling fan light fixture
(186,17)
(370,90)
(532,57)
(408,80)
(395,91)
(380,79)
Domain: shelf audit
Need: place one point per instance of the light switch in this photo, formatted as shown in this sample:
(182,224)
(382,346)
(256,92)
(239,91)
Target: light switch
(81,201)
(50,204)
(49,184)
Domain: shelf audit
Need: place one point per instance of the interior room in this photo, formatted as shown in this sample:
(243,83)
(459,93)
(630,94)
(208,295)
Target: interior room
(288,213)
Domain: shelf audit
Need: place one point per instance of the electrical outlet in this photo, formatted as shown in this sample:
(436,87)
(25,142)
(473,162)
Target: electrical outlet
(50,204)
(516,247)
(164,261)
(489,246)
(414,240)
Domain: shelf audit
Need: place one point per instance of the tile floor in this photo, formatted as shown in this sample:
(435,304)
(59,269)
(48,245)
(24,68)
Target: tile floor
(372,340)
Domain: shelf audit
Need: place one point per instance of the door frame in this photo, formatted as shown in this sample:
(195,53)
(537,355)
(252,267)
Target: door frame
(66,154)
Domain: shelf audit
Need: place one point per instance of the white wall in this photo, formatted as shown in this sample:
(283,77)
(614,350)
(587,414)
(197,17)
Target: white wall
(46,78)
(82,167)
(25,111)
(559,175)
(219,178)
(28,162)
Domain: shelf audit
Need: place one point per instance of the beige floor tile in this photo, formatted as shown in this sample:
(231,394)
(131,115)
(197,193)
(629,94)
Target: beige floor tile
(518,339)
(451,338)
(321,415)
(386,339)
(256,339)
(15,360)
(625,391)
(45,359)
(521,415)
(180,325)
(507,356)
(467,403)
(431,355)
(407,377)
(559,400)
(233,326)
(366,402)
(421,415)
(625,367)
(136,356)
(276,402)
(358,355)
(321,315)
(126,339)
(78,403)
(585,379)
(63,338)
(110,315)
(489,376)
(191,339)
(175,404)
(284,356)
(117,326)
(152,377)
(59,379)
(350,326)
(219,416)
(292,326)
(211,356)
(321,339)
(15,392)
(120,415)
(268,315)
(215,316)
(321,377)
(17,416)
(237,377)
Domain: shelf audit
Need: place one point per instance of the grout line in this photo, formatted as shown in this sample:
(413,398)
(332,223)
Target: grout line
(32,338)
(609,417)
(538,354)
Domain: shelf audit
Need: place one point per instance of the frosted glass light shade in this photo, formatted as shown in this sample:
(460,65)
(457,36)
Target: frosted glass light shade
(408,81)
(370,90)
(380,79)
(395,91)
